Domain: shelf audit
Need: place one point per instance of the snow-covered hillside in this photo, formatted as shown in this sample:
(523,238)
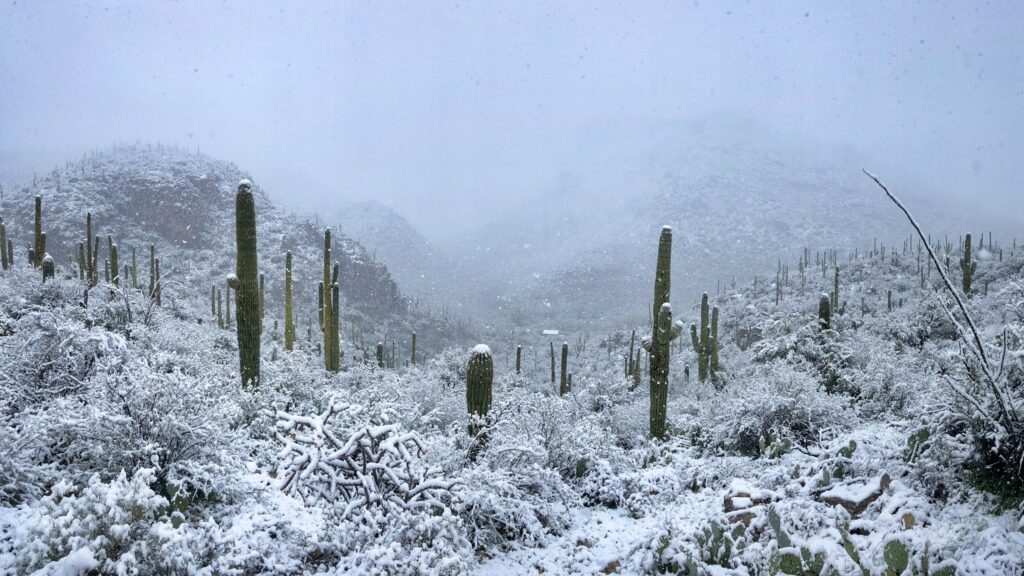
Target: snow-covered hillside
(127,444)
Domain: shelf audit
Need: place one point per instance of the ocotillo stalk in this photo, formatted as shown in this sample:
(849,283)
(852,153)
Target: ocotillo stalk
(659,370)
(479,380)
(563,387)
(289,317)
(412,359)
(247,295)
(40,246)
(519,359)
(825,312)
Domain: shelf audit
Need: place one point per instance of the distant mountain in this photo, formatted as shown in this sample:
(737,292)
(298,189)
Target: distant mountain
(581,254)
(183,204)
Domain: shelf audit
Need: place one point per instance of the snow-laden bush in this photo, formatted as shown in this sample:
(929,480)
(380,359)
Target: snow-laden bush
(780,401)
(107,527)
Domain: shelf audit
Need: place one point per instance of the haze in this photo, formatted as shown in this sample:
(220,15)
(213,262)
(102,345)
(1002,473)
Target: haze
(453,112)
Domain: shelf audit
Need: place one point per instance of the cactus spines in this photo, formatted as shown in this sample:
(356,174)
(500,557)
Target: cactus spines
(662,336)
(40,242)
(412,356)
(563,387)
(968,266)
(247,297)
(289,315)
(479,378)
(519,359)
(825,312)
(48,268)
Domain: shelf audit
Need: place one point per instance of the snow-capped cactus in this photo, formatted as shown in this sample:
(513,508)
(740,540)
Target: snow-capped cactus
(247,296)
(380,354)
(479,379)
(702,341)
(48,267)
(563,386)
(825,312)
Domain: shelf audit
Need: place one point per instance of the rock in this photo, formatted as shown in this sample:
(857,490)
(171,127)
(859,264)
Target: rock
(741,499)
(856,496)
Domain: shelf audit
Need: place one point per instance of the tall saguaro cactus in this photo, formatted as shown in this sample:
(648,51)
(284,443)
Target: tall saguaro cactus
(40,242)
(825,312)
(3,245)
(289,314)
(479,379)
(563,387)
(412,358)
(659,373)
(328,316)
(519,359)
(246,280)
(967,266)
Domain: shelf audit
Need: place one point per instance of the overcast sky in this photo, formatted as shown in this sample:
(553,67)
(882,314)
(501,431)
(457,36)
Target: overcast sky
(450,109)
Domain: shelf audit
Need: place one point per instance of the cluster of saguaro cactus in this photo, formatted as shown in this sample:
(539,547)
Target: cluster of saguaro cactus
(479,379)
(968,266)
(246,285)
(329,302)
(705,341)
(289,314)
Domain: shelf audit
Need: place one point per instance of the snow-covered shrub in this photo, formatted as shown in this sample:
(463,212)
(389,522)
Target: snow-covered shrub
(780,400)
(502,508)
(107,527)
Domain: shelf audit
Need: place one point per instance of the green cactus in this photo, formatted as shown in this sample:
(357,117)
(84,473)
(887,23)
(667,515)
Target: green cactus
(335,336)
(152,272)
(702,344)
(263,300)
(380,354)
(134,271)
(81,261)
(10,252)
(825,312)
(40,242)
(552,344)
(320,304)
(327,314)
(835,292)
(563,387)
(247,297)
(213,301)
(519,359)
(412,356)
(220,313)
(115,269)
(4,256)
(48,268)
(479,378)
(896,556)
(967,266)
(659,371)
(714,344)
(289,316)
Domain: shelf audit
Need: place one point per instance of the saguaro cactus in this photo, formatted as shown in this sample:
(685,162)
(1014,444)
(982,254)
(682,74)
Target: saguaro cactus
(3,245)
(247,294)
(519,359)
(380,354)
(479,378)
(714,344)
(552,344)
(659,370)
(412,358)
(563,387)
(40,243)
(967,266)
(335,335)
(835,292)
(48,267)
(289,315)
(135,271)
(825,312)
(702,344)
(327,315)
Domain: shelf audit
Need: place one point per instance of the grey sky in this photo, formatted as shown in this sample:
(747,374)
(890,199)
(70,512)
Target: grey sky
(454,110)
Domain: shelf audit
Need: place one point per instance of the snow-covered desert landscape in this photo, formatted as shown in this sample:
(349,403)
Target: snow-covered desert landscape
(341,296)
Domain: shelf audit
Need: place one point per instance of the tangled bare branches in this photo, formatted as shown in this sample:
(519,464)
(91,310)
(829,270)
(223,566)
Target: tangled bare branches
(376,467)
